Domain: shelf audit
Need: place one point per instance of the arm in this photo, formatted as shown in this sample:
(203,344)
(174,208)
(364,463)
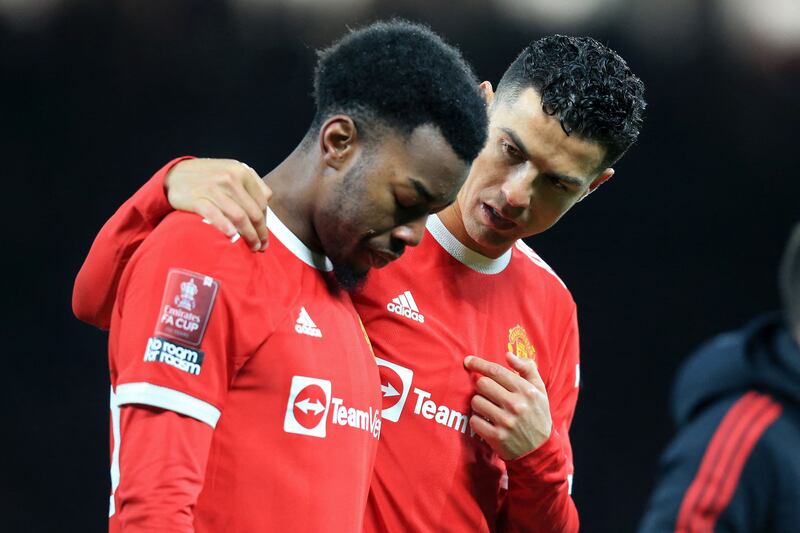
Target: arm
(171,478)
(227,193)
(539,483)
(96,284)
(538,496)
(171,381)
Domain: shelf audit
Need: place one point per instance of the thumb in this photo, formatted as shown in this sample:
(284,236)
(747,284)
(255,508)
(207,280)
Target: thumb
(527,368)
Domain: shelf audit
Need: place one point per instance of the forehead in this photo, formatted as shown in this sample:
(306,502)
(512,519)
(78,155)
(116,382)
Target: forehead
(426,156)
(544,137)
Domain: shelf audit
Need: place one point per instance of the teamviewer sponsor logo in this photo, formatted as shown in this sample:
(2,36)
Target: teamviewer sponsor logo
(395,384)
(404,305)
(309,400)
(161,350)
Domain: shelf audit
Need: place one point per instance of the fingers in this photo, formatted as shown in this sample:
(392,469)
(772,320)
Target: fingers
(235,189)
(487,409)
(485,430)
(254,224)
(236,214)
(493,391)
(257,188)
(528,369)
(206,209)
(261,194)
(498,373)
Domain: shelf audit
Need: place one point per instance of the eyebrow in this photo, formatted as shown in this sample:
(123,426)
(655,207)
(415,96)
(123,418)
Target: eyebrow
(521,146)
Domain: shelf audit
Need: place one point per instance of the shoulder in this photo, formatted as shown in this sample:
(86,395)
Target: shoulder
(187,234)
(185,241)
(781,438)
(534,269)
(740,426)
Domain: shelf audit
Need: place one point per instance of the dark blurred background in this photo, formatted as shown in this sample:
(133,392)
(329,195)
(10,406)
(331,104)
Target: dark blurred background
(682,243)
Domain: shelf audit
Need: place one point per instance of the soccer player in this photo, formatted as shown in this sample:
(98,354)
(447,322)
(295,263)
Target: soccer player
(476,337)
(245,396)
(734,464)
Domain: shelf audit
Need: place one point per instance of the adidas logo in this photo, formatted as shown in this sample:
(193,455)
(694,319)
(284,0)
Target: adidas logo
(305,325)
(404,305)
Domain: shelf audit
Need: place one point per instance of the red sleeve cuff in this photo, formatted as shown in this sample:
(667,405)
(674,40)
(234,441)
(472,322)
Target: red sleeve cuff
(548,457)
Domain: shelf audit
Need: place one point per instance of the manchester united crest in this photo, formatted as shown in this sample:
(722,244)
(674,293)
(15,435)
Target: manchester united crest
(518,343)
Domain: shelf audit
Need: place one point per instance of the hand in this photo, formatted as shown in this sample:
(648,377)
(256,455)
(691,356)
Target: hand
(511,411)
(227,193)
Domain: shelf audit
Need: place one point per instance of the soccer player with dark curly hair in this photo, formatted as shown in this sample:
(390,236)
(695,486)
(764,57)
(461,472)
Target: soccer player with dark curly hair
(476,337)
(245,395)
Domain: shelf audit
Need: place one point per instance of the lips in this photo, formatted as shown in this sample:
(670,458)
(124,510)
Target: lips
(495,219)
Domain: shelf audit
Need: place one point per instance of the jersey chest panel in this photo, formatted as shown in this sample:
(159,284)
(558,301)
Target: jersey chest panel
(426,438)
(306,407)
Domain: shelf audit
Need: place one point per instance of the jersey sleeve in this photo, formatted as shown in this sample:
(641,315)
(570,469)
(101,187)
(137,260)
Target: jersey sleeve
(540,483)
(179,327)
(96,283)
(159,493)
(180,330)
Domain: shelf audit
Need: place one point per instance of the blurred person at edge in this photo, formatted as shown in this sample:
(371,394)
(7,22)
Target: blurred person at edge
(734,464)
(225,364)
(476,337)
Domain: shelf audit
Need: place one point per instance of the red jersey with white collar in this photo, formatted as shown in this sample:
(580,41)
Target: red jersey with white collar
(424,313)
(258,352)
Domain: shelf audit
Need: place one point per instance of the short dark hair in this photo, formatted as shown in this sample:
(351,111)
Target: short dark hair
(401,75)
(789,279)
(586,85)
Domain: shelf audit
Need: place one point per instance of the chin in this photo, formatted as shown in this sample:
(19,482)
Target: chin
(348,276)
(481,235)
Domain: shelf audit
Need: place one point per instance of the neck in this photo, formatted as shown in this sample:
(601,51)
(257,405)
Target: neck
(453,219)
(294,184)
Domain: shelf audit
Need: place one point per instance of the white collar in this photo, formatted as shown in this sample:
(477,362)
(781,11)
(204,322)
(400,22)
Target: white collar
(295,245)
(471,258)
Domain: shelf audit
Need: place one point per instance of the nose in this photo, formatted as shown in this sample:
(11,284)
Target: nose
(518,189)
(411,232)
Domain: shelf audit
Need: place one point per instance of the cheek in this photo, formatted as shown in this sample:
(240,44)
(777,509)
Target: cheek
(483,184)
(551,213)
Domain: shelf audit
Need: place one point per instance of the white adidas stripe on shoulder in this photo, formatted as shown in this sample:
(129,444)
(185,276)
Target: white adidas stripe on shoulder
(535,259)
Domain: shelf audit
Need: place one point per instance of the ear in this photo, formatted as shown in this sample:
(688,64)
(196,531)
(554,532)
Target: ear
(488,92)
(597,182)
(337,139)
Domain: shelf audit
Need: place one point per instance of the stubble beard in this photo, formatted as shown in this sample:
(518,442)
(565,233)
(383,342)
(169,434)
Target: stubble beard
(346,206)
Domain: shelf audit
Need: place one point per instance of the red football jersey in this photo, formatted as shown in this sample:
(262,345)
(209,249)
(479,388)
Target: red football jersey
(424,313)
(259,348)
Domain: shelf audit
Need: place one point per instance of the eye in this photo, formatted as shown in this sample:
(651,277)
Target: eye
(407,208)
(511,150)
(557,183)
(403,203)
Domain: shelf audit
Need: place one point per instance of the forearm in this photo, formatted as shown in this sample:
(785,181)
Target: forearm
(538,498)
(162,463)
